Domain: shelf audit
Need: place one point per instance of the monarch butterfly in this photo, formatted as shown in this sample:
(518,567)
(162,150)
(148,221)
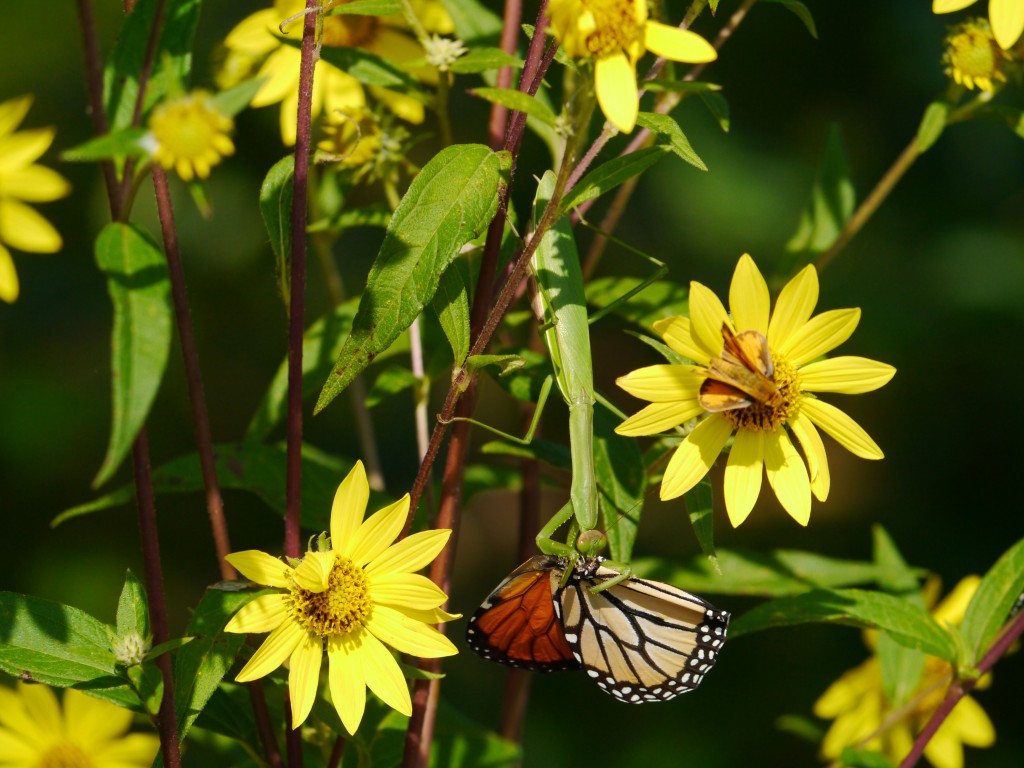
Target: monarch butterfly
(638,640)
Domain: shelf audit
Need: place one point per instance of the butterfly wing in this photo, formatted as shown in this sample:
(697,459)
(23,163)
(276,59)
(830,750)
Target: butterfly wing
(742,375)
(517,624)
(641,640)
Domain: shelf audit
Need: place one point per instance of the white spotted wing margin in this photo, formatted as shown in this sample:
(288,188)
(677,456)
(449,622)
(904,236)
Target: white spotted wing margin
(639,640)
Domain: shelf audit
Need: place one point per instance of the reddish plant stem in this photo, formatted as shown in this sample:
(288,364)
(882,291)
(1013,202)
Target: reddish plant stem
(165,719)
(193,374)
(337,752)
(264,727)
(960,688)
(509,35)
(296,317)
(94,85)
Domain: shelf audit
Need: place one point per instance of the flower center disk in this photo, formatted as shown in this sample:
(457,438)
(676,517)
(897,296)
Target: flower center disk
(596,28)
(760,417)
(340,607)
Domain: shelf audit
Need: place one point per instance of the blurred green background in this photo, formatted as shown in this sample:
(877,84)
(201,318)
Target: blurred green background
(939,274)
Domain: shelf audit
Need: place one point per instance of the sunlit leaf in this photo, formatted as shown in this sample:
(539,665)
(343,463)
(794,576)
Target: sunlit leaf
(666,127)
(611,174)
(990,607)
(276,209)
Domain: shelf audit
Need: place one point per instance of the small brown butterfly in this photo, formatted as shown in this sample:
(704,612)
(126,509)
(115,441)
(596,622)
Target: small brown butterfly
(743,375)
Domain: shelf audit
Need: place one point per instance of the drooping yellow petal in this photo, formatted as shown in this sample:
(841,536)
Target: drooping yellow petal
(129,751)
(841,428)
(695,455)
(707,313)
(948,6)
(658,417)
(743,474)
(279,77)
(615,83)
(954,605)
(15,722)
(304,676)
(12,112)
(410,554)
(845,692)
(663,383)
(846,375)
(677,44)
(794,307)
(819,335)
(383,675)
(676,333)
(1007,19)
(41,705)
(260,567)
(749,300)
(25,230)
(255,33)
(347,681)
(814,450)
(349,508)
(409,590)
(378,531)
(972,724)
(264,614)
(35,184)
(24,148)
(406,635)
(9,287)
(314,572)
(272,654)
(787,475)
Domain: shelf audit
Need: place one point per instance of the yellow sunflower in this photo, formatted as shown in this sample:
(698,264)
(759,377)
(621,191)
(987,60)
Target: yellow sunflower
(348,595)
(972,56)
(36,731)
(864,716)
(761,394)
(22,181)
(1006,17)
(255,44)
(616,34)
(190,135)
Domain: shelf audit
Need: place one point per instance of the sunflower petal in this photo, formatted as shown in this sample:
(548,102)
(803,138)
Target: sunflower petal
(378,531)
(819,335)
(677,44)
(787,475)
(348,509)
(846,375)
(615,83)
(743,474)
(841,428)
(304,677)
(707,313)
(411,553)
(12,112)
(814,450)
(948,6)
(260,567)
(748,297)
(794,307)
(658,417)
(1007,19)
(92,722)
(676,333)
(346,678)
(26,230)
(663,383)
(272,654)
(314,572)
(695,455)
(405,590)
(406,635)
(35,184)
(384,676)
(264,614)
(9,286)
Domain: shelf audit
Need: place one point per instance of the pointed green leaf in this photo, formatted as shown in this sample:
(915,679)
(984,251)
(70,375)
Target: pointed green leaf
(367,8)
(933,123)
(126,143)
(450,202)
(140,291)
(451,303)
(863,758)
(132,609)
(473,21)
(990,607)
(802,12)
(908,624)
(555,454)
(609,175)
(717,105)
(699,509)
(389,382)
(517,101)
(656,301)
(276,208)
(233,100)
(666,127)
(479,60)
(622,481)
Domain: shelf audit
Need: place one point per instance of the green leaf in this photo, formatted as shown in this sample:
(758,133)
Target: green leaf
(252,467)
(473,21)
(367,8)
(276,208)
(171,62)
(717,105)
(661,348)
(863,758)
(389,382)
(611,174)
(201,665)
(933,123)
(166,647)
(369,216)
(58,645)
(132,609)
(451,303)
(991,604)
(518,102)
(555,454)
(832,203)
(507,363)
(666,127)
(233,100)
(121,144)
(366,67)
(450,202)
(699,509)
(140,290)
(682,86)
(908,624)
(660,299)
(801,12)
(622,481)
(479,60)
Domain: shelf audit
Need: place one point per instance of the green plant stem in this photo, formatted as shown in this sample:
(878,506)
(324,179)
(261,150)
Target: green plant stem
(193,375)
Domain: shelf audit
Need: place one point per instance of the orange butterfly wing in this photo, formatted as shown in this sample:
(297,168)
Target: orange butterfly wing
(517,624)
(742,375)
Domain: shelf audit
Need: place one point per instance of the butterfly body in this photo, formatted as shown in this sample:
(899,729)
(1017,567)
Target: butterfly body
(742,375)
(638,640)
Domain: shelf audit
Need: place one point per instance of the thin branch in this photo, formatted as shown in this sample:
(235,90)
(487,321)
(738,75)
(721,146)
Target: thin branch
(94,85)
